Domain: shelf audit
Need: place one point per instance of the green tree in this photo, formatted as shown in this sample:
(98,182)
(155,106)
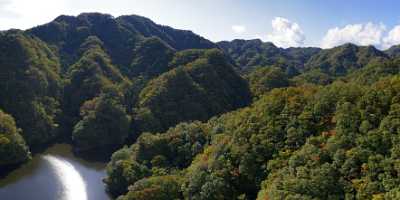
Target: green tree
(104,120)
(13,149)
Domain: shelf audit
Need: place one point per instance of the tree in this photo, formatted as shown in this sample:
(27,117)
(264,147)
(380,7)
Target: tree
(13,149)
(104,120)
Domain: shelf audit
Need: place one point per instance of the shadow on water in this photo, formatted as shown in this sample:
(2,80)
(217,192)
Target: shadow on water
(50,174)
(14,173)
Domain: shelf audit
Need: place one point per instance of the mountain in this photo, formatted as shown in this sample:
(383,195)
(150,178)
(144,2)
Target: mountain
(343,59)
(177,39)
(198,90)
(393,51)
(64,79)
(86,79)
(152,58)
(252,53)
(119,35)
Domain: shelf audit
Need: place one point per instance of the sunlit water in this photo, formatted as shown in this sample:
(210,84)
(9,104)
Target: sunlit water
(73,185)
(55,175)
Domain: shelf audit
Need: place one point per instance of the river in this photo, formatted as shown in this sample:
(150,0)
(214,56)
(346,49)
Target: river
(55,174)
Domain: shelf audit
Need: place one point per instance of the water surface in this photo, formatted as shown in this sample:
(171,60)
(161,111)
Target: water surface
(55,174)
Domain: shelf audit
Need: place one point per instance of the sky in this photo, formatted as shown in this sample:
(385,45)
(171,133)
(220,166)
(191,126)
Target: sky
(286,23)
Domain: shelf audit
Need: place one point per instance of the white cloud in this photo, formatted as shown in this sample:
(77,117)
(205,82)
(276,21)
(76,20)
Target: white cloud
(286,33)
(360,34)
(239,29)
(393,37)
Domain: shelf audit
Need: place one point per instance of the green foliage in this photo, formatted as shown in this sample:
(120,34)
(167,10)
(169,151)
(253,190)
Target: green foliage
(356,159)
(197,91)
(87,78)
(265,79)
(122,173)
(30,86)
(120,36)
(152,58)
(156,188)
(13,149)
(314,77)
(160,154)
(375,70)
(338,141)
(344,59)
(251,53)
(177,39)
(104,120)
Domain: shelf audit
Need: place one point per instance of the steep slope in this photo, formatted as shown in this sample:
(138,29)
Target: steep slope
(152,58)
(198,90)
(177,39)
(67,33)
(30,86)
(88,78)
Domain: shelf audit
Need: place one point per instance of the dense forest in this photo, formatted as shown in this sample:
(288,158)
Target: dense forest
(181,117)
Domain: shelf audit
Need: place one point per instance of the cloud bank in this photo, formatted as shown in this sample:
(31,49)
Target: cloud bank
(362,34)
(286,33)
(393,38)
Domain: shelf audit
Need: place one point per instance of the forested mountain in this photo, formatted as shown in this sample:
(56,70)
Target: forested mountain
(202,121)
(202,88)
(343,59)
(75,75)
(119,35)
(393,51)
(252,53)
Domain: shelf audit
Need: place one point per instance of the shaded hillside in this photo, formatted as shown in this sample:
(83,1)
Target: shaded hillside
(88,78)
(177,39)
(31,87)
(119,35)
(393,51)
(197,90)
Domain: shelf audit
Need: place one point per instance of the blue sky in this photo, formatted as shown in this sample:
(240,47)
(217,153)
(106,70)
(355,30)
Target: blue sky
(323,23)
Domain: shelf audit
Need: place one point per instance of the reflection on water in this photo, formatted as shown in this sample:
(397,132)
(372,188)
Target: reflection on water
(73,185)
(55,175)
